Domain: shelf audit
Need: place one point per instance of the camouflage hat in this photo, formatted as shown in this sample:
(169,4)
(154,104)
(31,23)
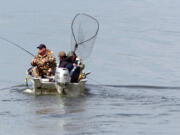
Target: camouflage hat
(62,54)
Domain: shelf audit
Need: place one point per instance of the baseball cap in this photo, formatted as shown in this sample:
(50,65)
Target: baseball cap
(41,46)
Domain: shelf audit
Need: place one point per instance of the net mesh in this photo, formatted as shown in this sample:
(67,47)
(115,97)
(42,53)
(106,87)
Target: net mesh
(84,32)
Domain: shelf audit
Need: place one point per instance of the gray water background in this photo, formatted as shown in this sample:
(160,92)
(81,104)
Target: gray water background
(135,65)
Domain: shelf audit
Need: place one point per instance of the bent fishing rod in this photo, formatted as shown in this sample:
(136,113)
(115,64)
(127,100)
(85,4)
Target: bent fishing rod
(18,46)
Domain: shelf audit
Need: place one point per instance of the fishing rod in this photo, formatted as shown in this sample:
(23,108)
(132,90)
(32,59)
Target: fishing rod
(18,46)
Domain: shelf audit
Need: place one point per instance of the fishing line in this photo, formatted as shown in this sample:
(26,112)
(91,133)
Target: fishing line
(18,46)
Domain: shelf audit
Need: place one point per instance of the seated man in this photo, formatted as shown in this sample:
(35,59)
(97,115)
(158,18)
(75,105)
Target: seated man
(73,67)
(65,61)
(71,58)
(43,63)
(62,59)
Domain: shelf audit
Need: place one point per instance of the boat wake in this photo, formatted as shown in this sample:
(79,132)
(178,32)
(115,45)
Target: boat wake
(134,86)
(25,89)
(143,86)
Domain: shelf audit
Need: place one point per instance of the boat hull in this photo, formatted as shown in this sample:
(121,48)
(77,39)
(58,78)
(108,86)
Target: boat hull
(44,86)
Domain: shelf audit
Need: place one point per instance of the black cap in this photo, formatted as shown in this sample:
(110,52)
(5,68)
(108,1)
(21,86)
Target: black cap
(41,46)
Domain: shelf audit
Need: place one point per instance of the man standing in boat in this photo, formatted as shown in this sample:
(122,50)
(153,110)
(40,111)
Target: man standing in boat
(43,63)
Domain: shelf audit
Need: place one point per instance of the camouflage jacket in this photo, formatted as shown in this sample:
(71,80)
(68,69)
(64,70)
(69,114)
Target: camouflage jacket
(48,57)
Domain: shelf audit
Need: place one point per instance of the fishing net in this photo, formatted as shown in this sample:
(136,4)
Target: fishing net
(84,32)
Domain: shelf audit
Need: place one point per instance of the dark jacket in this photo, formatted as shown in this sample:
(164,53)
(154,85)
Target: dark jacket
(69,66)
(74,71)
(63,63)
(66,63)
(75,74)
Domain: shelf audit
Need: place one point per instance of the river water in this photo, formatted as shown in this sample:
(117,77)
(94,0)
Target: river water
(134,88)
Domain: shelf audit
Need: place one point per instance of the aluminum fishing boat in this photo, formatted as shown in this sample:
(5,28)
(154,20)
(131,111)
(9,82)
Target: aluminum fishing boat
(58,84)
(82,42)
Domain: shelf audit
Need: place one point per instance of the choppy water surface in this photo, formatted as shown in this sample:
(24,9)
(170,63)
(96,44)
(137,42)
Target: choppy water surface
(134,87)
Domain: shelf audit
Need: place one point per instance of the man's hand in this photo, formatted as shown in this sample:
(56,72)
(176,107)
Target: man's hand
(44,61)
(34,61)
(74,64)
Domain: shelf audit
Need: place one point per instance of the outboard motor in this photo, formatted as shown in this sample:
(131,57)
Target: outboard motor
(62,75)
